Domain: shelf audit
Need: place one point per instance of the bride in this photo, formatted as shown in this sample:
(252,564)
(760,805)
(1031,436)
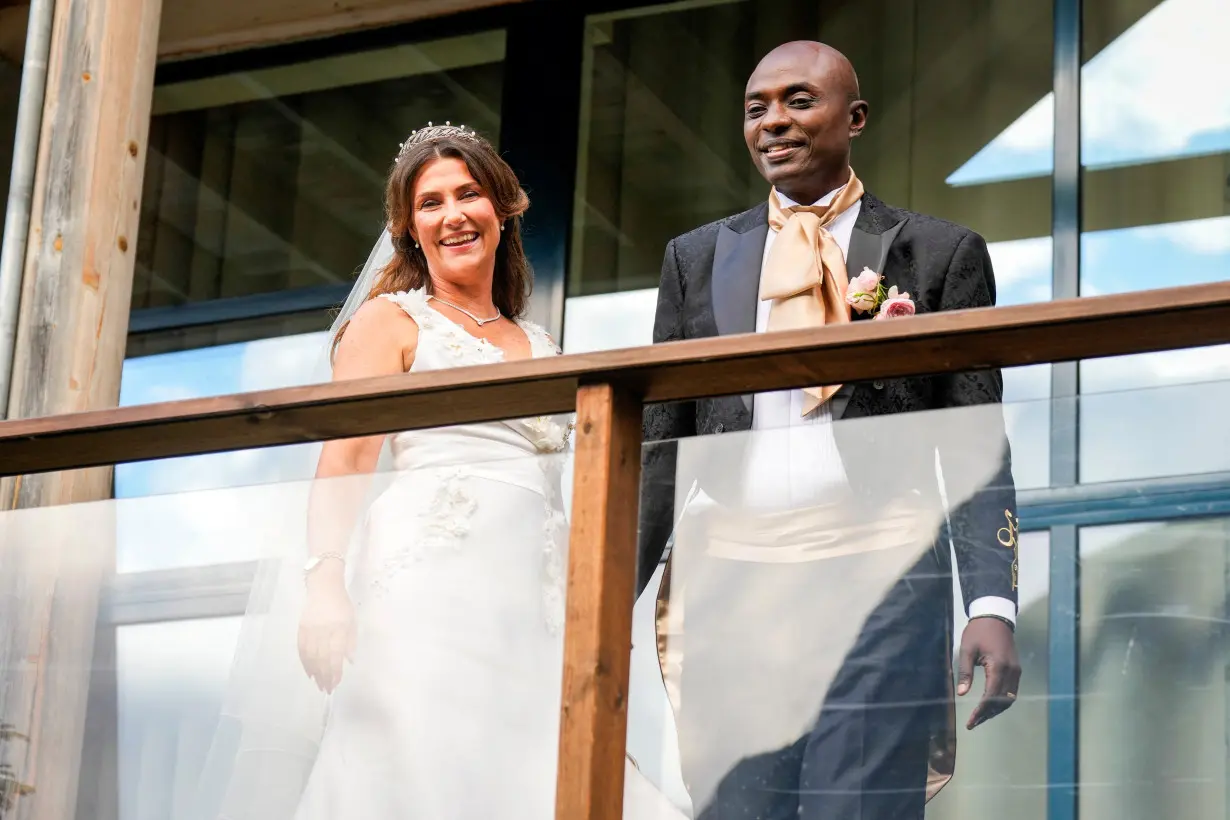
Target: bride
(436,643)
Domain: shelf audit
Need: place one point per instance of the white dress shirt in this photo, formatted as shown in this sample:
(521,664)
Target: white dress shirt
(792,459)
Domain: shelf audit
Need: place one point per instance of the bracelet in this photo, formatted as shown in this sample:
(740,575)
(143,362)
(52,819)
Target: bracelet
(999,618)
(316,560)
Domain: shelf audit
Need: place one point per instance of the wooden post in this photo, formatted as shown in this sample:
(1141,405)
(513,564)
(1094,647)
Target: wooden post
(76,291)
(601,588)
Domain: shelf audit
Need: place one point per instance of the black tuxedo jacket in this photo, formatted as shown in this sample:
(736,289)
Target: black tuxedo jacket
(710,283)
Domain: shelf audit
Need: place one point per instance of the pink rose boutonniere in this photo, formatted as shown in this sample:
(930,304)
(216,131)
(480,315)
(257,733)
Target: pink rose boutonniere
(895,304)
(867,293)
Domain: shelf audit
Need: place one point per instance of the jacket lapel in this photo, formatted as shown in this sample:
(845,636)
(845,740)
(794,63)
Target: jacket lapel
(875,229)
(864,252)
(736,274)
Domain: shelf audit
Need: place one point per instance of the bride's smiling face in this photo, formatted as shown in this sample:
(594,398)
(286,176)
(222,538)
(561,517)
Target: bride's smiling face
(454,222)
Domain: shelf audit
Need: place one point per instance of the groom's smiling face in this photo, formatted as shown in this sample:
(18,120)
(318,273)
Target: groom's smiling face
(801,109)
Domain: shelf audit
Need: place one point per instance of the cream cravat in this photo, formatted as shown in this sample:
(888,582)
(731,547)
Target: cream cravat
(805,274)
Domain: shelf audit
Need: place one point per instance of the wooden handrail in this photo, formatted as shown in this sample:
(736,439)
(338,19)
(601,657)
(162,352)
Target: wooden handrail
(607,390)
(1065,330)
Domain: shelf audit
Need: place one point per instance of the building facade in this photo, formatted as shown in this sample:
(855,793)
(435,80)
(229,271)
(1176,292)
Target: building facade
(262,197)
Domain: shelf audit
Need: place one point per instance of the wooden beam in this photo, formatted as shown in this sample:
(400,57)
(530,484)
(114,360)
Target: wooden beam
(193,29)
(601,589)
(1090,327)
(71,334)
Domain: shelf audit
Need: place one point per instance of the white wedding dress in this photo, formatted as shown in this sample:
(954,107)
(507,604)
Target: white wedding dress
(450,709)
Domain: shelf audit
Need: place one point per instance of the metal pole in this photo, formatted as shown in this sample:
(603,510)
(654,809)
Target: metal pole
(1063,707)
(21,184)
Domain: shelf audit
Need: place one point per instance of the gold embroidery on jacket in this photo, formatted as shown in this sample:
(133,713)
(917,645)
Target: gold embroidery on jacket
(1009,537)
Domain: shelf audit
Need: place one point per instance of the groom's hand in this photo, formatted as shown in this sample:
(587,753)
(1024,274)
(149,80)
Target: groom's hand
(989,643)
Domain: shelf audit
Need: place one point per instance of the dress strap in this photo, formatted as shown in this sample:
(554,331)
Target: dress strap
(414,303)
(541,342)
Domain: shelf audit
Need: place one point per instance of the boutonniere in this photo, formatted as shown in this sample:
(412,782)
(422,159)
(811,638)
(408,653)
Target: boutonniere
(866,293)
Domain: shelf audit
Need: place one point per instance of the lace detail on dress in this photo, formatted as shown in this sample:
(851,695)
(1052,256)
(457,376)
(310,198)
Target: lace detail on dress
(447,525)
(537,333)
(550,436)
(449,521)
(547,433)
(555,534)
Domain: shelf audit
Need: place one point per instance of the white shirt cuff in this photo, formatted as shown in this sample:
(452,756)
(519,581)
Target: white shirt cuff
(993,605)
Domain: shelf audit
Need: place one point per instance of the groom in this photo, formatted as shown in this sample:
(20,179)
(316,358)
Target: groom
(881,739)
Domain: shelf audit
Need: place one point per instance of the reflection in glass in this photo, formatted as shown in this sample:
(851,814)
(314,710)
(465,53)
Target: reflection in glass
(1154,217)
(1188,252)
(1022,276)
(196,496)
(1170,58)
(233,332)
(171,678)
(1120,431)
(274,178)
(1132,434)
(1155,256)
(1153,670)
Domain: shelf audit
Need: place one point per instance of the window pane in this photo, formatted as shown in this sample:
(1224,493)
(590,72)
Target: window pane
(273,179)
(1000,756)
(1153,670)
(192,337)
(661,145)
(1156,216)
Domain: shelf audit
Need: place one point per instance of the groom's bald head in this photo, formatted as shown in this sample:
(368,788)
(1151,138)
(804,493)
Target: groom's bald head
(801,109)
(824,60)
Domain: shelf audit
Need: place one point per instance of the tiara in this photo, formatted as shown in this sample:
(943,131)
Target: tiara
(435,132)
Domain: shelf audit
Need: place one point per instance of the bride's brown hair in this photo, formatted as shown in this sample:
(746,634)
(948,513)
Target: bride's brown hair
(407,270)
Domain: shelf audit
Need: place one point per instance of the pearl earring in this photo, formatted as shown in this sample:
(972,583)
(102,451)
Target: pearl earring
(501,226)
(416,244)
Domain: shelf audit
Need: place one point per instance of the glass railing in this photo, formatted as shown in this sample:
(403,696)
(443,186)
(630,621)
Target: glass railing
(415,670)
(829,584)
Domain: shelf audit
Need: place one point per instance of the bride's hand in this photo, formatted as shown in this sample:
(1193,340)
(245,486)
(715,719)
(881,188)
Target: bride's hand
(327,632)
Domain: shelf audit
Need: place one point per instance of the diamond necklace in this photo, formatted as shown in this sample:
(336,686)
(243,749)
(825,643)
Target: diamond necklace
(477,321)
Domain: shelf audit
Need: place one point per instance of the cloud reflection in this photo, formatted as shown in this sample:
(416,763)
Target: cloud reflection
(1172,60)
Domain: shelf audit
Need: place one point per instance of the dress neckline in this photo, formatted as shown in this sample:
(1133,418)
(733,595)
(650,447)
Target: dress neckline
(482,340)
(418,306)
